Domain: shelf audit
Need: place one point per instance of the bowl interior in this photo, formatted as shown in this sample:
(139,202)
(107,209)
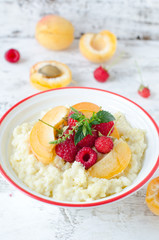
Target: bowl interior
(29,110)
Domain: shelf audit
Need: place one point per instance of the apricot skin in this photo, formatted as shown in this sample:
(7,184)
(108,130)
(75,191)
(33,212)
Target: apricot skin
(54,32)
(152,196)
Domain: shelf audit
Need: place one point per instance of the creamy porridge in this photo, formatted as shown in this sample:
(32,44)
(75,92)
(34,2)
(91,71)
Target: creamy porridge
(66,181)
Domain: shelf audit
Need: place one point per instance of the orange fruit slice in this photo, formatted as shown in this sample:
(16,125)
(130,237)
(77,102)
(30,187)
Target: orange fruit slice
(98,47)
(115,133)
(50,74)
(87,108)
(42,134)
(152,196)
(112,163)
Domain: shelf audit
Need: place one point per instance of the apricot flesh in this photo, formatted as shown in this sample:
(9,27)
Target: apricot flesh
(42,134)
(42,82)
(112,163)
(152,196)
(87,108)
(40,152)
(115,133)
(99,47)
(54,32)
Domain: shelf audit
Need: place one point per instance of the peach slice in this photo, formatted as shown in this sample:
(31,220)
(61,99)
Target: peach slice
(87,108)
(42,134)
(152,196)
(50,74)
(54,32)
(112,163)
(98,47)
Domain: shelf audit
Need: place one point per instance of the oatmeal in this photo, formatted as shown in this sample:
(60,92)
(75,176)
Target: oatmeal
(66,181)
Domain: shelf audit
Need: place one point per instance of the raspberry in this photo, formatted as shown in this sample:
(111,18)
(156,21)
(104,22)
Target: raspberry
(104,144)
(144,91)
(89,140)
(71,122)
(87,156)
(101,74)
(104,128)
(12,56)
(67,150)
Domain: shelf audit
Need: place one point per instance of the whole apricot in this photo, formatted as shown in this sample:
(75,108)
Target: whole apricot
(54,32)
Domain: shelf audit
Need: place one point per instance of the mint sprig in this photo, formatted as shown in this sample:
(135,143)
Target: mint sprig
(102,117)
(83,126)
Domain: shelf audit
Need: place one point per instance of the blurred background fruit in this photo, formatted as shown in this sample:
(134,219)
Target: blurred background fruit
(54,32)
(50,74)
(98,47)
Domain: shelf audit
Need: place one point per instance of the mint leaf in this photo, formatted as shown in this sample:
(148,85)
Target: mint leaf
(105,116)
(94,122)
(79,135)
(75,116)
(88,127)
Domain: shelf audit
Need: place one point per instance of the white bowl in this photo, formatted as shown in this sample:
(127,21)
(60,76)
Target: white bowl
(29,108)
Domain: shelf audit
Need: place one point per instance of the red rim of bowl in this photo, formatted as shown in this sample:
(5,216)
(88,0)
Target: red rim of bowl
(101,202)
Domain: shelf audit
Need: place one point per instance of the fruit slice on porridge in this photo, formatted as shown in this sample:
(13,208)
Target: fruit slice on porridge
(112,163)
(42,134)
(84,133)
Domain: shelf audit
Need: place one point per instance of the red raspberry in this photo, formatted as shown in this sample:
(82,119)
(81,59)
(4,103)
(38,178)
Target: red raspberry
(89,140)
(67,150)
(101,74)
(71,122)
(104,144)
(104,128)
(12,56)
(144,91)
(87,156)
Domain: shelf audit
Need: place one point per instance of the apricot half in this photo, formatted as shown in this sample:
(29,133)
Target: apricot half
(54,32)
(50,74)
(42,134)
(87,108)
(152,196)
(112,163)
(98,47)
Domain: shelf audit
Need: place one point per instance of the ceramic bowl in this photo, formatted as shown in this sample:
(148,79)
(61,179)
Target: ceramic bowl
(29,109)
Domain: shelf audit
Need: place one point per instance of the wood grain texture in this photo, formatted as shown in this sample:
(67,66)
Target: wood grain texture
(24,218)
(128,19)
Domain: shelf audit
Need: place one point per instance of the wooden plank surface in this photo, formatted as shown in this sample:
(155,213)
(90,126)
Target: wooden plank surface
(128,19)
(25,218)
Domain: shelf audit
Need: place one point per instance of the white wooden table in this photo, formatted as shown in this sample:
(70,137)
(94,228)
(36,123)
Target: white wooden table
(136,24)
